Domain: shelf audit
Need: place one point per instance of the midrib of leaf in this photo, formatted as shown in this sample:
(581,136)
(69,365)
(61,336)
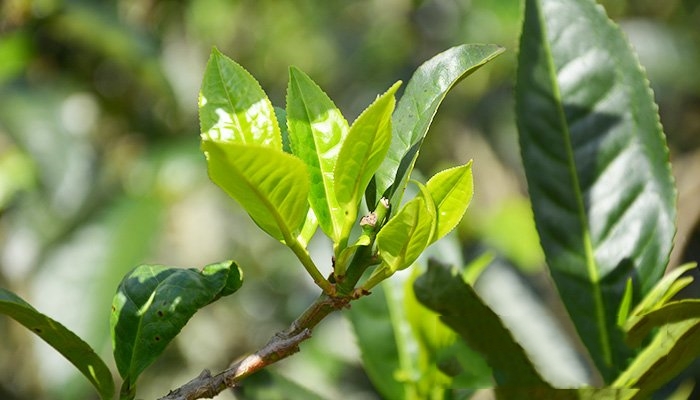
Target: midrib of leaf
(591,266)
(234,114)
(328,190)
(141,311)
(281,223)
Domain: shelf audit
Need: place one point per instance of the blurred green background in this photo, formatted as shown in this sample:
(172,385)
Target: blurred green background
(100,168)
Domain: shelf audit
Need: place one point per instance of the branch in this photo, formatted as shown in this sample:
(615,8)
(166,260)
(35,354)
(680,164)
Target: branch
(282,345)
(285,343)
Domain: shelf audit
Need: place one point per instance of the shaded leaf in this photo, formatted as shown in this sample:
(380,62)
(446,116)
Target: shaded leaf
(361,154)
(234,108)
(445,292)
(415,111)
(63,340)
(281,115)
(596,164)
(452,191)
(153,303)
(270,185)
(316,131)
(372,325)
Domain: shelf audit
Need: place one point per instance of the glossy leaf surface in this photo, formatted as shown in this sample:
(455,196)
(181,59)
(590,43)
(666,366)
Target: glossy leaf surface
(361,154)
(270,185)
(405,236)
(415,111)
(316,132)
(596,164)
(154,302)
(234,108)
(73,348)
(452,191)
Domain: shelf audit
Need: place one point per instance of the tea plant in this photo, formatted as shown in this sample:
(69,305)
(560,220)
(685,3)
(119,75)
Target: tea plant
(602,195)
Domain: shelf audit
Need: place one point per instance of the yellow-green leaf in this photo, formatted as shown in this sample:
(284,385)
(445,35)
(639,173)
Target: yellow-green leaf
(406,235)
(234,108)
(361,154)
(316,132)
(452,191)
(272,186)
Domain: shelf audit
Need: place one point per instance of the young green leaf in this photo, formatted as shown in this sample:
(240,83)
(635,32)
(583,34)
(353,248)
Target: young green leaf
(153,303)
(272,186)
(308,230)
(405,236)
(639,327)
(673,348)
(596,164)
(361,154)
(316,132)
(664,290)
(415,111)
(63,340)
(452,191)
(234,108)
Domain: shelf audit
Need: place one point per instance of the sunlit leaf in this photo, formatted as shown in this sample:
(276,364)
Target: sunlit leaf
(270,185)
(234,108)
(415,111)
(596,164)
(153,303)
(361,154)
(63,340)
(452,191)
(405,236)
(316,132)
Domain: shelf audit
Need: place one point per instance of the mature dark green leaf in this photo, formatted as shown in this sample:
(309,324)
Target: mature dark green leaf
(63,340)
(446,293)
(596,165)
(154,302)
(361,154)
(272,186)
(415,111)
(452,191)
(316,132)
(234,108)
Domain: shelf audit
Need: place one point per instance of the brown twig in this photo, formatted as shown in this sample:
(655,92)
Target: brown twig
(282,345)
(206,386)
(285,343)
